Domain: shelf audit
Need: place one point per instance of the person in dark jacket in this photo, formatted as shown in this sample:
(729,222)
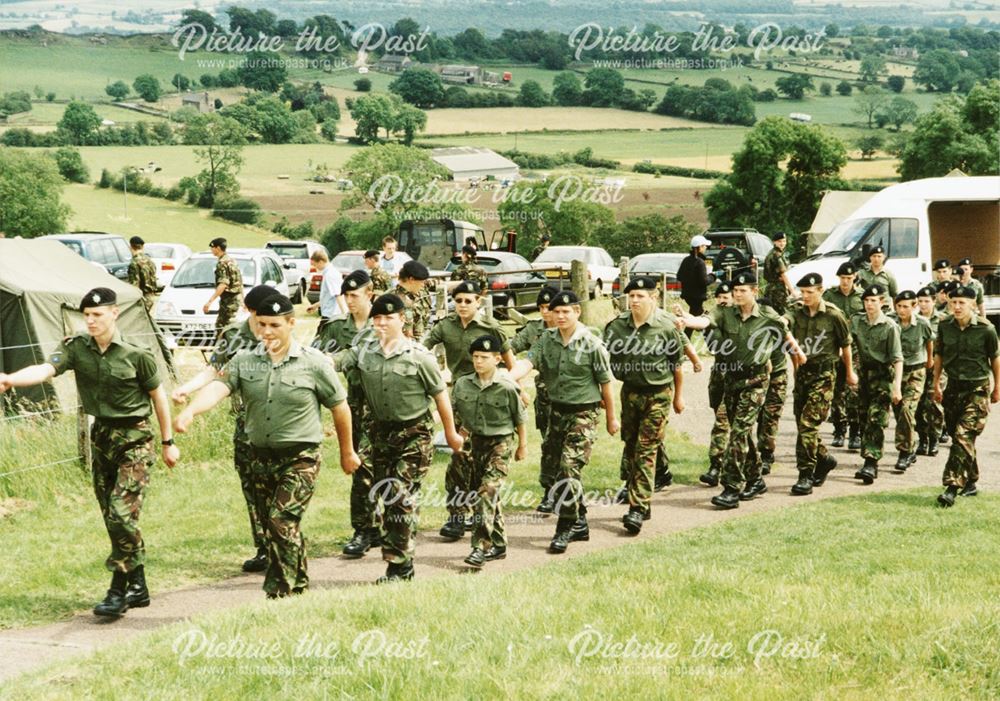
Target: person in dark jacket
(695,278)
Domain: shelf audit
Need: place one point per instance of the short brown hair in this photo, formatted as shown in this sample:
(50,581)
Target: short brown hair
(388,239)
(319,255)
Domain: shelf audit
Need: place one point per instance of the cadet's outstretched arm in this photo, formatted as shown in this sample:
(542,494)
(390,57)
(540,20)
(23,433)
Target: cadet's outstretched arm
(349,460)
(521,369)
(678,390)
(448,421)
(937,378)
(508,359)
(608,395)
(897,382)
(171,453)
(26,377)
(847,355)
(181,394)
(205,400)
(692,355)
(995,394)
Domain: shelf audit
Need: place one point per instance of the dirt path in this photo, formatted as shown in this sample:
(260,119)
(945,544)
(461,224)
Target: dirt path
(675,509)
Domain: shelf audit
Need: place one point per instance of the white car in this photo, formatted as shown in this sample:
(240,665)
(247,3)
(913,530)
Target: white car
(179,309)
(297,266)
(602,270)
(168,258)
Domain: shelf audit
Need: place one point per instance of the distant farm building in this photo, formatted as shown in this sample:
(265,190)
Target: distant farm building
(199,101)
(469,163)
(394,63)
(909,52)
(461,75)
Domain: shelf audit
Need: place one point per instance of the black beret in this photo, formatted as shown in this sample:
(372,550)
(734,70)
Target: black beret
(745,279)
(257,295)
(414,270)
(564,299)
(905,295)
(846,269)
(486,344)
(387,304)
(926,291)
(465,287)
(371,253)
(545,295)
(810,280)
(276,304)
(963,291)
(469,250)
(947,286)
(873,291)
(942,263)
(641,283)
(217,243)
(778,236)
(546,237)
(136,241)
(723,288)
(965,261)
(98,297)
(876,249)
(355,280)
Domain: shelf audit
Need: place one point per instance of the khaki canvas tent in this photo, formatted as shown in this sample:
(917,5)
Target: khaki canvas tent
(41,285)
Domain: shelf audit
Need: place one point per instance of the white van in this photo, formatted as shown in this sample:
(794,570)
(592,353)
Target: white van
(918,222)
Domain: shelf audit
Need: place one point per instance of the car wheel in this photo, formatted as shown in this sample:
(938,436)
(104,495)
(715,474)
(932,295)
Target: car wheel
(300,292)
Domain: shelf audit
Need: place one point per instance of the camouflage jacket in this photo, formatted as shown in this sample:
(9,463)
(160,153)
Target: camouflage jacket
(227,271)
(472,273)
(142,273)
(381,282)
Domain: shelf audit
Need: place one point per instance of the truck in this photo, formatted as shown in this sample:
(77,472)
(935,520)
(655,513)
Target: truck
(918,222)
(435,241)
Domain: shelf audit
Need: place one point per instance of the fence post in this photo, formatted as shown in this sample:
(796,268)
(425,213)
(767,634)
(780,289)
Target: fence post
(622,283)
(83,439)
(663,291)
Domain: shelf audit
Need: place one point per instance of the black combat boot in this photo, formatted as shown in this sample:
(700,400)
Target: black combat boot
(969,490)
(711,478)
(902,462)
(454,527)
(663,480)
(922,445)
(633,520)
(257,563)
(114,603)
(622,496)
(728,499)
(854,439)
(932,447)
(364,540)
(947,497)
(396,573)
(805,484)
(838,438)
(496,552)
(476,558)
(869,472)
(944,438)
(548,504)
(753,489)
(136,594)
(766,462)
(823,468)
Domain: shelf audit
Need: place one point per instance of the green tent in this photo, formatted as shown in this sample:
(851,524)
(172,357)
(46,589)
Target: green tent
(41,285)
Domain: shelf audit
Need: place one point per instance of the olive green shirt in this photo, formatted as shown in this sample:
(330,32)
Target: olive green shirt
(572,372)
(527,335)
(343,330)
(647,355)
(913,338)
(978,287)
(934,319)
(849,305)
(493,409)
(283,400)
(232,340)
(821,336)
(966,355)
(399,385)
(111,385)
(878,341)
(456,340)
(867,278)
(745,345)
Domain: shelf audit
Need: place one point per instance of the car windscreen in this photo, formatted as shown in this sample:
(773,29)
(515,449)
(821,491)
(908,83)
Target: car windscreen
(159,251)
(291,250)
(348,261)
(659,264)
(563,255)
(200,272)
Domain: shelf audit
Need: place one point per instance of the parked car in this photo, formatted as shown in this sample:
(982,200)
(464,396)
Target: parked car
(602,270)
(736,250)
(168,258)
(658,265)
(297,264)
(179,309)
(346,262)
(107,251)
(517,290)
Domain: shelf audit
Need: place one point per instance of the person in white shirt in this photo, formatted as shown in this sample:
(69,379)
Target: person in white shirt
(388,252)
(331,303)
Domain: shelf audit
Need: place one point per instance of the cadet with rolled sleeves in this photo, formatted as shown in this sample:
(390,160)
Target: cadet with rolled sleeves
(142,272)
(283,385)
(881,361)
(778,289)
(917,340)
(235,338)
(455,332)
(412,289)
(646,353)
(966,280)
(719,436)
(823,336)
(228,286)
(967,349)
(488,405)
(115,381)
(381,282)
(575,366)
(844,410)
(876,273)
(930,414)
(469,271)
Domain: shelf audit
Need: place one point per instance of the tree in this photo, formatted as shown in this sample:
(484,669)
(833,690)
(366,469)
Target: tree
(649,232)
(222,156)
(408,120)
(71,166)
(118,90)
(193,16)
(532,95)
(181,82)
(214,129)
(896,83)
(79,122)
(262,71)
(900,111)
(868,145)
(872,66)
(870,101)
(553,58)
(937,70)
(825,89)
(566,89)
(371,113)
(832,30)
(539,207)
(363,85)
(471,44)
(603,87)
(265,116)
(147,87)
(844,88)
(381,172)
(30,195)
(794,86)
(420,87)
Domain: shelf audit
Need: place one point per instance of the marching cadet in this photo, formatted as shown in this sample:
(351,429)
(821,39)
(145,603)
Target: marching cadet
(747,334)
(966,280)
(876,272)
(400,377)
(774,404)
(381,282)
(523,340)
(488,405)
(228,286)
(115,381)
(455,332)
(469,271)
(966,348)
(881,360)
(823,334)
(930,414)
(716,390)
(777,289)
(942,271)
(235,338)
(944,290)
(844,411)
(646,354)
(142,272)
(575,366)
(917,340)
(411,288)
(282,385)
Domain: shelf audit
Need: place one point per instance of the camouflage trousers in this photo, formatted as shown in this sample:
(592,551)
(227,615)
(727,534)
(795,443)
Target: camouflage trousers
(242,461)
(844,410)
(744,398)
(874,400)
(457,478)
(812,396)
(490,462)
(364,505)
(122,459)
(401,456)
(930,414)
(777,294)
(720,428)
(966,407)
(770,412)
(906,411)
(283,483)
(570,438)
(644,424)
(229,306)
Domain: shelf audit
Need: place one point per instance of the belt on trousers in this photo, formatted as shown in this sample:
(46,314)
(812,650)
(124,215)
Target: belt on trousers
(121,421)
(574,408)
(283,453)
(644,389)
(746,373)
(868,367)
(915,366)
(967,384)
(400,425)
(819,365)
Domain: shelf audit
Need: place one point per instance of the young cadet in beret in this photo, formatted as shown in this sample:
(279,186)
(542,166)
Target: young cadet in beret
(966,279)
(283,385)
(115,381)
(381,282)
(844,410)
(575,366)
(411,287)
(876,273)
(930,414)
(966,348)
(488,405)
(881,360)
(942,270)
(469,271)
(455,332)
(917,340)
(778,289)
(400,378)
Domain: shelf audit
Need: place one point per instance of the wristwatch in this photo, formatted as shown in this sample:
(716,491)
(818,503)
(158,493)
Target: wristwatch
(169,441)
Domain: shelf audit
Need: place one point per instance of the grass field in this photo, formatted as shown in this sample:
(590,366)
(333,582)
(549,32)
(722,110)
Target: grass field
(852,598)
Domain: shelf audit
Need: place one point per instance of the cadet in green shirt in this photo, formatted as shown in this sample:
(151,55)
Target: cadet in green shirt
(719,436)
(966,279)
(876,273)
(774,403)
(881,360)
(646,353)
(778,288)
(942,271)
(930,414)
(282,385)
(115,381)
(469,271)
(966,348)
(488,404)
(412,289)
(575,366)
(917,340)
(844,410)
